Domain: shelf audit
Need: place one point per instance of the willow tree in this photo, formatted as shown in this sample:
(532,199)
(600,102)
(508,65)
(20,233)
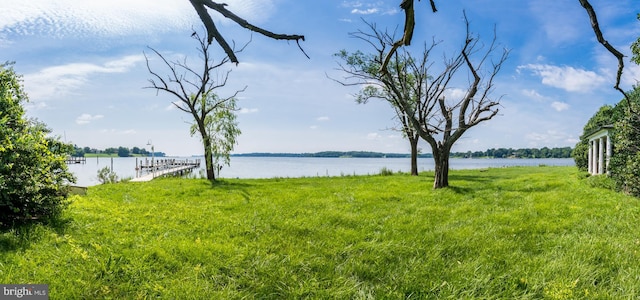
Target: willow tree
(418,88)
(214,116)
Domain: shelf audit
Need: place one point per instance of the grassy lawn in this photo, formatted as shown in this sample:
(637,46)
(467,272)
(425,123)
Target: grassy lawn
(526,233)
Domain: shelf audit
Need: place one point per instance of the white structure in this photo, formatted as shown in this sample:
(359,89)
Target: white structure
(600,150)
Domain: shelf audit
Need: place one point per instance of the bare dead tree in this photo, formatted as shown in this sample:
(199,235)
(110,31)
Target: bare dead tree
(213,33)
(414,86)
(195,92)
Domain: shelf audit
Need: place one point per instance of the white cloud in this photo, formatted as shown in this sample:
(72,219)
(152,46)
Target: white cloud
(170,107)
(60,18)
(533,94)
(322,119)
(455,94)
(87,118)
(567,78)
(359,8)
(548,138)
(248,110)
(367,11)
(119,132)
(373,136)
(36,105)
(63,79)
(560,106)
(631,75)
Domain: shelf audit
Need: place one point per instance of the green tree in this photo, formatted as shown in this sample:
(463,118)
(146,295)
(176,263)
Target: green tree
(33,175)
(214,117)
(110,150)
(123,151)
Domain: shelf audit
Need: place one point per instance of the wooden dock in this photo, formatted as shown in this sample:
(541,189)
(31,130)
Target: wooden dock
(147,170)
(75,160)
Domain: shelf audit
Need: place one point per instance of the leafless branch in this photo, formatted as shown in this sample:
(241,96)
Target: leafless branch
(409,26)
(599,36)
(213,33)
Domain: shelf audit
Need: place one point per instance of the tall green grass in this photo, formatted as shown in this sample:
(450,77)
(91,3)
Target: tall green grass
(526,233)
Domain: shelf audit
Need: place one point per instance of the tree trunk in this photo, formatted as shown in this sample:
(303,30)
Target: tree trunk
(414,155)
(208,158)
(441,159)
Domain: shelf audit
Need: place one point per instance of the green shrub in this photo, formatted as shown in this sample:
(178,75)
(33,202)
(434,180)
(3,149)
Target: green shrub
(601,181)
(105,175)
(33,175)
(384,171)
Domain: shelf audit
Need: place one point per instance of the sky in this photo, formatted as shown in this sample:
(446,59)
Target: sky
(84,70)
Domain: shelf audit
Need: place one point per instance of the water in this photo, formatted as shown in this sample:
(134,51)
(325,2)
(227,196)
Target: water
(270,167)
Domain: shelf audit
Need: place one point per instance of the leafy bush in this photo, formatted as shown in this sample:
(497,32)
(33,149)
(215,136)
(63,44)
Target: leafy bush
(385,171)
(625,165)
(105,175)
(33,175)
(604,182)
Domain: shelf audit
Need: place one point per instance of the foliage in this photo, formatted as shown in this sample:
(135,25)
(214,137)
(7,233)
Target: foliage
(105,175)
(113,152)
(625,164)
(544,152)
(635,48)
(33,175)
(384,171)
(221,128)
(507,233)
(123,152)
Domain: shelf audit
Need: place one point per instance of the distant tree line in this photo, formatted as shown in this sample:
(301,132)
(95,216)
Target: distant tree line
(545,152)
(120,151)
(489,153)
(329,154)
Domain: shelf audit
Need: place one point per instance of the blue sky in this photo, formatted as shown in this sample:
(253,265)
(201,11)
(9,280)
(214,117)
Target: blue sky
(85,72)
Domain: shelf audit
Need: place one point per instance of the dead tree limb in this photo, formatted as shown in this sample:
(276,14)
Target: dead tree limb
(596,29)
(213,33)
(409,26)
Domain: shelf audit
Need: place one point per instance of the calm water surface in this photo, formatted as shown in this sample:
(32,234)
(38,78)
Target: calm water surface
(270,167)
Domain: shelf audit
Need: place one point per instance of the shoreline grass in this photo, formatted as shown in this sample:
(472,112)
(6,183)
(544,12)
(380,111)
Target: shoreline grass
(520,232)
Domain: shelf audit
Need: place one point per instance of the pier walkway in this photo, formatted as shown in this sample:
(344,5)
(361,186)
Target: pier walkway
(163,167)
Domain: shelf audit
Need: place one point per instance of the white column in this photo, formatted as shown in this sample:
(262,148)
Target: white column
(594,158)
(601,156)
(590,157)
(609,152)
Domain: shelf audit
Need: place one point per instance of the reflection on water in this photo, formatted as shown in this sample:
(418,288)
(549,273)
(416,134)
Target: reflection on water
(269,167)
